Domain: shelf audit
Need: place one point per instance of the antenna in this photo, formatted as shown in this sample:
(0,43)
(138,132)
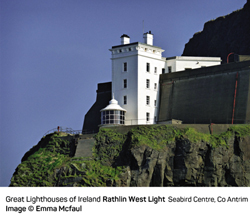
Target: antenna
(142,27)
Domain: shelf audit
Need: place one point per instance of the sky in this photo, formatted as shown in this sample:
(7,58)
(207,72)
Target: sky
(54,52)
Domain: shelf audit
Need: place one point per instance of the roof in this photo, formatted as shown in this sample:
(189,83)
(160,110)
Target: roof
(113,105)
(125,35)
(194,58)
(117,46)
(135,43)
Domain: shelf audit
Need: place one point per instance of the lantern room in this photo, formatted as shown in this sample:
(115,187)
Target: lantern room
(113,114)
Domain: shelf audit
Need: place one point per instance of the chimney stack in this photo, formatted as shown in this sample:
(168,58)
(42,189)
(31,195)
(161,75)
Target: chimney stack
(125,39)
(148,38)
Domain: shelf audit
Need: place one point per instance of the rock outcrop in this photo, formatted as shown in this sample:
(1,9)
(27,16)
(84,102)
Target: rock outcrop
(155,155)
(222,36)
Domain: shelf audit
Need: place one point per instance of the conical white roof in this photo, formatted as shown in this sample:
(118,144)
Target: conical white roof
(113,105)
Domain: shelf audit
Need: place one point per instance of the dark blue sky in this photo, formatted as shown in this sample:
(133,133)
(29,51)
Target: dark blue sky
(53,54)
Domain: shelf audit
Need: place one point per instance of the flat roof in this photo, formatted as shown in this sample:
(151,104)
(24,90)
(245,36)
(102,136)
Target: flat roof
(135,43)
(194,58)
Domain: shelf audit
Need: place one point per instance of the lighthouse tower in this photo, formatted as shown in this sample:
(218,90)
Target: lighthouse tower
(135,77)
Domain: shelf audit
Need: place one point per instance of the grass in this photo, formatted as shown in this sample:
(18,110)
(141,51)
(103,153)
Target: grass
(41,168)
(108,145)
(93,173)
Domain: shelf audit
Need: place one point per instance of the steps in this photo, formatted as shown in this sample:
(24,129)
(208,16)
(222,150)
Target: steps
(84,146)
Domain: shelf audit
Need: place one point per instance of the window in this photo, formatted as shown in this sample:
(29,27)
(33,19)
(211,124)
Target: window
(147,100)
(155,103)
(155,86)
(125,67)
(155,69)
(125,83)
(125,99)
(169,69)
(147,83)
(163,71)
(147,116)
(112,117)
(148,67)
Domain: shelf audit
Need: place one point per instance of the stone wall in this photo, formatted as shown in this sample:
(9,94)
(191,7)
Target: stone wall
(206,95)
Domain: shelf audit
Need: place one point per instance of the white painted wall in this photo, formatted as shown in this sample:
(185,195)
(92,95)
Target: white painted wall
(180,63)
(118,75)
(152,56)
(137,55)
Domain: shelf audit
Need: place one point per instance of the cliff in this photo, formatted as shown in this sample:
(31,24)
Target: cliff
(222,36)
(155,155)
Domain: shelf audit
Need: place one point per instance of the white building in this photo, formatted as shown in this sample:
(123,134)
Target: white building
(180,63)
(135,76)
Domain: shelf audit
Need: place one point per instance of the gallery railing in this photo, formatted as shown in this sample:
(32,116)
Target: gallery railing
(69,130)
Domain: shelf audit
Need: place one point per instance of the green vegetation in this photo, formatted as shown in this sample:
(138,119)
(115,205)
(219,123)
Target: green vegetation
(212,140)
(159,136)
(240,130)
(50,163)
(39,168)
(90,173)
(156,137)
(108,145)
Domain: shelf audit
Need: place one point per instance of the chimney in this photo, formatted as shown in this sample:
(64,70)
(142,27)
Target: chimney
(148,38)
(125,39)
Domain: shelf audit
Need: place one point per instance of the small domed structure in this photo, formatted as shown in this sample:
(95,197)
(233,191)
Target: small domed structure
(113,114)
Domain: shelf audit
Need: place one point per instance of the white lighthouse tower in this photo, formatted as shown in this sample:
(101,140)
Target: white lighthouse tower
(135,78)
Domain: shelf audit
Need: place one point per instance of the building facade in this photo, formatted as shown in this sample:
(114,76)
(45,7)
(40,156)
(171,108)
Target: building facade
(135,78)
(142,84)
(136,68)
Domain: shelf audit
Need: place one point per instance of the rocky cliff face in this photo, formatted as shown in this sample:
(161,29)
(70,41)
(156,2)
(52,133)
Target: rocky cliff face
(145,156)
(222,36)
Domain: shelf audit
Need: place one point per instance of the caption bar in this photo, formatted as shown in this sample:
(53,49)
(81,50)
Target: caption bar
(76,203)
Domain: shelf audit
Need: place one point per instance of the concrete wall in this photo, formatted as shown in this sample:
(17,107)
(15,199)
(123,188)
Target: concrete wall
(206,95)
(93,117)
